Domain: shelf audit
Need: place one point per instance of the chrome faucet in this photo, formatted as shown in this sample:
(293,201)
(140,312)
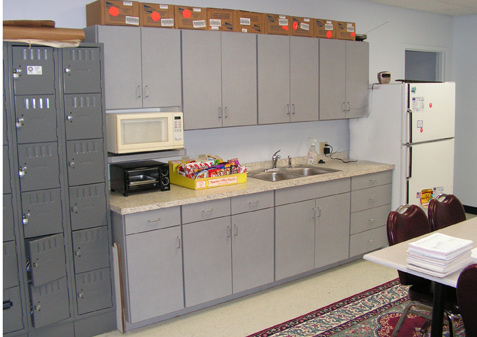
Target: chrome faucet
(275,158)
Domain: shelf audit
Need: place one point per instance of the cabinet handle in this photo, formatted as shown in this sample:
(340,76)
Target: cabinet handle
(226,112)
(293,109)
(372,181)
(349,107)
(219,112)
(138,91)
(7,305)
(156,220)
(318,213)
(207,212)
(372,200)
(229,231)
(289,109)
(371,221)
(146,91)
(235,230)
(253,204)
(178,242)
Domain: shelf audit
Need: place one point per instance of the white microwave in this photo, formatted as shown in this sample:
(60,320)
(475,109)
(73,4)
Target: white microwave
(143,132)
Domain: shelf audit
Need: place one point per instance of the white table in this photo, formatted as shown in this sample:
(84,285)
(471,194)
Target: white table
(395,257)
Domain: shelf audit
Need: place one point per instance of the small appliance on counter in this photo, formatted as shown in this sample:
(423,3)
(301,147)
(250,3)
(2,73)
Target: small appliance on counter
(384,77)
(144,176)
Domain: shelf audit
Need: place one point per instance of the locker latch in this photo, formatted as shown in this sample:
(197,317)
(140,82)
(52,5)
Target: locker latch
(16,72)
(22,171)
(7,304)
(20,122)
(25,218)
(34,308)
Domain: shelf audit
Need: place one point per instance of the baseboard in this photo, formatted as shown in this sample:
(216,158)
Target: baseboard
(470,209)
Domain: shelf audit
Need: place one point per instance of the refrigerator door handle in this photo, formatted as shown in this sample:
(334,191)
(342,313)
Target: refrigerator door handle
(409,126)
(409,162)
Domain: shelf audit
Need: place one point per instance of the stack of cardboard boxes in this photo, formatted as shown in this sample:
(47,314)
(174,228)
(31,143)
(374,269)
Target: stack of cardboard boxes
(134,13)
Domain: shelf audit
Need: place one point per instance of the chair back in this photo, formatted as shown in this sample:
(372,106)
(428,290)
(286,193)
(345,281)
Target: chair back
(407,222)
(445,210)
(467,299)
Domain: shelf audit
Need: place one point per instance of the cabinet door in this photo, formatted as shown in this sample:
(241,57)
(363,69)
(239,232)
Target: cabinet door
(35,119)
(93,290)
(85,161)
(357,78)
(122,66)
(88,206)
(295,239)
(332,229)
(6,171)
(253,240)
(273,79)
(81,68)
(49,303)
(201,79)
(8,223)
(239,79)
(207,260)
(304,79)
(83,116)
(12,310)
(161,67)
(10,266)
(332,79)
(154,267)
(91,249)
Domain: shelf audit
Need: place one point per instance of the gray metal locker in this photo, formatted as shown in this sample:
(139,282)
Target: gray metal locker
(63,330)
(85,162)
(35,119)
(8,225)
(93,290)
(6,171)
(12,310)
(88,206)
(10,267)
(38,166)
(82,73)
(33,70)
(83,116)
(41,213)
(47,259)
(5,140)
(91,249)
(49,303)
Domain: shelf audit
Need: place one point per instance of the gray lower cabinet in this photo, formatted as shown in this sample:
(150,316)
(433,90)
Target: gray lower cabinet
(312,227)
(344,79)
(370,206)
(151,256)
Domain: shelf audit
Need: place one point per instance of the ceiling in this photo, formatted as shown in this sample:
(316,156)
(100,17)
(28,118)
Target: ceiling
(447,7)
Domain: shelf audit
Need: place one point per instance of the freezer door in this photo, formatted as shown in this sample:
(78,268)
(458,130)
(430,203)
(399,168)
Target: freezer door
(431,109)
(431,170)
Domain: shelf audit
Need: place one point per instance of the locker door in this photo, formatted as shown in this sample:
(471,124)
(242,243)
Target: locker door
(41,213)
(10,267)
(91,249)
(12,310)
(5,140)
(93,291)
(35,119)
(81,69)
(88,206)
(84,116)
(38,166)
(8,225)
(33,70)
(49,302)
(6,171)
(47,259)
(85,162)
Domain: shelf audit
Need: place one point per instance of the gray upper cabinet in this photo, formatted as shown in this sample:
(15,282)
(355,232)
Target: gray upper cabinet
(142,66)
(219,79)
(287,79)
(344,79)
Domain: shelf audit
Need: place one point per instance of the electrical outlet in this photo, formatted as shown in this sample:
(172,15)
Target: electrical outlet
(322,147)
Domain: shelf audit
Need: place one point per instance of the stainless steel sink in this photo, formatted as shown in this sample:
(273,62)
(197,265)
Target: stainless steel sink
(287,173)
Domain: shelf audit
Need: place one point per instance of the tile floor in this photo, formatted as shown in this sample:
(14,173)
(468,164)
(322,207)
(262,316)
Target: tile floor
(259,311)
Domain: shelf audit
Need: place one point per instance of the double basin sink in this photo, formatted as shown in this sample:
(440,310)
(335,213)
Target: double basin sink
(287,173)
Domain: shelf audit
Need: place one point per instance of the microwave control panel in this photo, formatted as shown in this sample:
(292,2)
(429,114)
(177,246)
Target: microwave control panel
(178,128)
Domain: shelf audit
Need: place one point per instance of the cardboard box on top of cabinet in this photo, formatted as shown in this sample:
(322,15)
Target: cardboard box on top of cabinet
(249,22)
(324,28)
(113,13)
(345,30)
(156,15)
(302,26)
(191,17)
(221,19)
(277,24)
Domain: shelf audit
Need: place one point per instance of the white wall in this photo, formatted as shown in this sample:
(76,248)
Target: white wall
(401,29)
(465,75)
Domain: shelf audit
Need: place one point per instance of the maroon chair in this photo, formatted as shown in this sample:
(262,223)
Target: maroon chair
(445,210)
(408,222)
(467,299)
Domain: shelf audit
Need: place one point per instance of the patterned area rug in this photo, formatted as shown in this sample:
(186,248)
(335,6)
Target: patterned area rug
(374,312)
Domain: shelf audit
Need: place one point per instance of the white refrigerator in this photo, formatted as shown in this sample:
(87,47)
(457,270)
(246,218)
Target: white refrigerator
(412,126)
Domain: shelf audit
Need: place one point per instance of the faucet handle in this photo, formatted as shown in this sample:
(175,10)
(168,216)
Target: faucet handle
(276,153)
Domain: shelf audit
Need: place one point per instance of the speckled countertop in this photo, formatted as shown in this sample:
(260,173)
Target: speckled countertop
(179,195)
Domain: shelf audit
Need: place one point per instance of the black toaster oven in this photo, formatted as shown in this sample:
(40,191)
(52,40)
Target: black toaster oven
(139,177)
